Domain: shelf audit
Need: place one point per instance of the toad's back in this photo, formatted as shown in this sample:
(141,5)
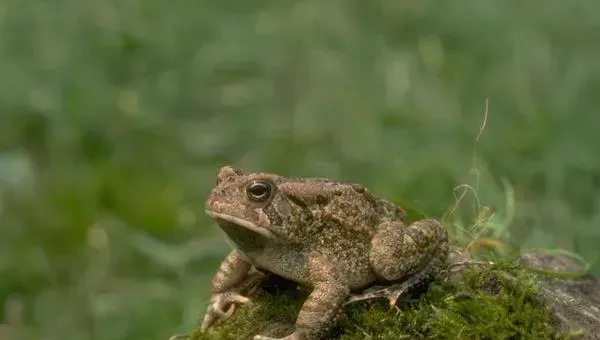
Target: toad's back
(342,204)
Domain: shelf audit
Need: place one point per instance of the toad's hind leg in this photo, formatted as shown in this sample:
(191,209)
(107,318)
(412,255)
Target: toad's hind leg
(406,256)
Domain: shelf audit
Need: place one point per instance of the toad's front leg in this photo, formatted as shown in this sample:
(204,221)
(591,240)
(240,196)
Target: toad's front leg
(323,308)
(406,255)
(230,281)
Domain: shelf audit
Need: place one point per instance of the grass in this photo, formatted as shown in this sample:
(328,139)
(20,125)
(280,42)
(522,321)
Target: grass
(484,306)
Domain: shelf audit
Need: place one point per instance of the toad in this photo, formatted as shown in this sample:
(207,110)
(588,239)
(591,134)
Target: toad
(333,237)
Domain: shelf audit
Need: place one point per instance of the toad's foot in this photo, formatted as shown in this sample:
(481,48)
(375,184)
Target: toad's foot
(293,336)
(289,337)
(223,305)
(392,292)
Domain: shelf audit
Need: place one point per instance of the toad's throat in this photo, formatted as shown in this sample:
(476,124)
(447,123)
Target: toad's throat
(246,235)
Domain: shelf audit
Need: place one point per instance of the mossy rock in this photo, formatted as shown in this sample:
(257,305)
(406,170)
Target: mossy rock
(499,301)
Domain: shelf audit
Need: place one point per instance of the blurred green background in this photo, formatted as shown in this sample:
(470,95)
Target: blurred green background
(116,115)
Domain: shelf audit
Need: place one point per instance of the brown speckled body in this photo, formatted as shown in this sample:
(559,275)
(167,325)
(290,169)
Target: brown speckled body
(330,236)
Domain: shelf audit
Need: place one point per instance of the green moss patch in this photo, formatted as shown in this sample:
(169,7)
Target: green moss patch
(489,303)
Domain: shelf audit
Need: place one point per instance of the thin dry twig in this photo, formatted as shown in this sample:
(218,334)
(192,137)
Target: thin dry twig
(485,117)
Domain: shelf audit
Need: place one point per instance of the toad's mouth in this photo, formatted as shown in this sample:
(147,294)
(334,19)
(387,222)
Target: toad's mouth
(227,222)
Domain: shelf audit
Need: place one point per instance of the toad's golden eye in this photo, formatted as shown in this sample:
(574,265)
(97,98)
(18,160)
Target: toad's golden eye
(258,191)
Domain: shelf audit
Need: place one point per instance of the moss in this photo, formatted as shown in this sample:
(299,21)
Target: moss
(489,303)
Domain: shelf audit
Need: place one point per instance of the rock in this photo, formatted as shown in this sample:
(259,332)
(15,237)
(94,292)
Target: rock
(575,302)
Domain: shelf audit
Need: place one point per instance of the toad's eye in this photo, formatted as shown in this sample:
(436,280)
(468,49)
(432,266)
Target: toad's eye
(258,191)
